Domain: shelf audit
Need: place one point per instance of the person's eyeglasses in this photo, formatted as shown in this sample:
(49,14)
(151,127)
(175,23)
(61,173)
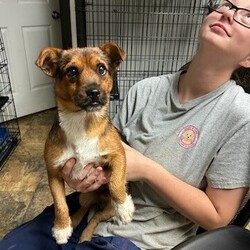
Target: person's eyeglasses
(241,15)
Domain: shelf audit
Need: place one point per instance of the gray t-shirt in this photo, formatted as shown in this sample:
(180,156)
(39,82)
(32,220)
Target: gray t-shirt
(205,141)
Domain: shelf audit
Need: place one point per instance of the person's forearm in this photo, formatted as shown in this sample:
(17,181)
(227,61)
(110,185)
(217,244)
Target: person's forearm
(186,199)
(210,209)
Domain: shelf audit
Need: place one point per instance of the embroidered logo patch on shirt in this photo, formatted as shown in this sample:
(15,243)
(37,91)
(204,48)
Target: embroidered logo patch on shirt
(188,136)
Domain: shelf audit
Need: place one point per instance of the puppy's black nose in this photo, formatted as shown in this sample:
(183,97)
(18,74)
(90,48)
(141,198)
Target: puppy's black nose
(94,94)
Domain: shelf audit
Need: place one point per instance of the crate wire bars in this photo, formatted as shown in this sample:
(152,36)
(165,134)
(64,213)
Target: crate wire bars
(159,36)
(9,128)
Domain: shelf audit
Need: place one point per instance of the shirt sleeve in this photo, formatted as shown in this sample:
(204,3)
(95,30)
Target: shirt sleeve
(133,104)
(231,166)
(124,112)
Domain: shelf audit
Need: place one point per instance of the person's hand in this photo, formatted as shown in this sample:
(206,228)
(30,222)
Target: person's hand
(91,177)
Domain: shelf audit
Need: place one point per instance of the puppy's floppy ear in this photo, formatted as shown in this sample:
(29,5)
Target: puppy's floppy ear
(47,60)
(115,54)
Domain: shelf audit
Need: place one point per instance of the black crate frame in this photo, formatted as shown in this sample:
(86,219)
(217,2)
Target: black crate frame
(159,36)
(9,127)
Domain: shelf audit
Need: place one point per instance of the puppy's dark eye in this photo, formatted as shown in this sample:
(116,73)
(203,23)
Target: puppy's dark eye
(72,72)
(101,69)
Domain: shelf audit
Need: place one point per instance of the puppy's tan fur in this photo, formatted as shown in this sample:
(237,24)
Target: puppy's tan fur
(83,82)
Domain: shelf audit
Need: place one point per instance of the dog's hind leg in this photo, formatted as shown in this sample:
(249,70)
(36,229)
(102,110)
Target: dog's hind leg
(86,200)
(78,215)
(102,215)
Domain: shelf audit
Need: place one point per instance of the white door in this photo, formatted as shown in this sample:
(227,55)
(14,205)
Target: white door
(27,27)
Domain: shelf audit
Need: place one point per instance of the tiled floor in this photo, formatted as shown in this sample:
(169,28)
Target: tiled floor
(24,190)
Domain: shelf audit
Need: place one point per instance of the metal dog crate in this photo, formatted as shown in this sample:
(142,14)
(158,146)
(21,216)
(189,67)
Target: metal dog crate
(9,128)
(159,36)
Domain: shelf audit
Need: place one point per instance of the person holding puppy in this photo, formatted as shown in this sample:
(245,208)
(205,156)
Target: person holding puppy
(188,160)
(187,142)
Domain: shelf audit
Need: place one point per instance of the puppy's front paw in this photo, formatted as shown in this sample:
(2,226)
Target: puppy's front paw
(125,210)
(62,234)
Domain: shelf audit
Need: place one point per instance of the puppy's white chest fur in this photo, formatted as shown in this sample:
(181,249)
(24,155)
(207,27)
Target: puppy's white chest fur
(85,150)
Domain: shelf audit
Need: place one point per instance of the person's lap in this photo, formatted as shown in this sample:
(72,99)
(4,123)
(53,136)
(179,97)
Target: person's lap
(36,234)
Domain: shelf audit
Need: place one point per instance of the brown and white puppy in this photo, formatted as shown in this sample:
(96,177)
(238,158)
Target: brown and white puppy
(83,82)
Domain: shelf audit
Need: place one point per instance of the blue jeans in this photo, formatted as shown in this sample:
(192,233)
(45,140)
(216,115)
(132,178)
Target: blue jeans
(36,234)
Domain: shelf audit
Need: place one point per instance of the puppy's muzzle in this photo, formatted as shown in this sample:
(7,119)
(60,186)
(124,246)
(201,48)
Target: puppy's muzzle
(91,99)
(94,95)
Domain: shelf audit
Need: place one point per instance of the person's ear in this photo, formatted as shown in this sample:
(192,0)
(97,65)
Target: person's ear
(246,62)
